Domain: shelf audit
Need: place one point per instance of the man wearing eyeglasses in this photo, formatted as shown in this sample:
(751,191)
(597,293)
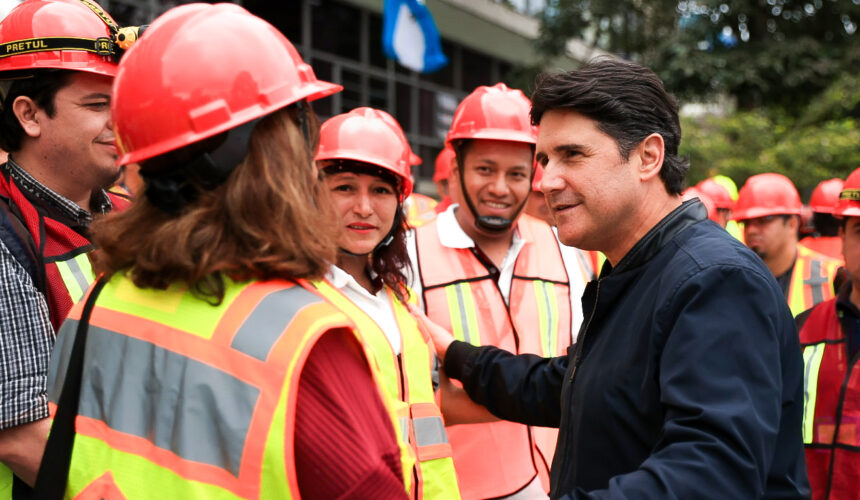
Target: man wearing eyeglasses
(769,207)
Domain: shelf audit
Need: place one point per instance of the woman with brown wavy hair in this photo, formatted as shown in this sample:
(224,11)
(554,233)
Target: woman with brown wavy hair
(212,366)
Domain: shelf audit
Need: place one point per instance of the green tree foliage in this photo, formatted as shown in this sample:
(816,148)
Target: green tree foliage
(823,142)
(790,65)
(762,52)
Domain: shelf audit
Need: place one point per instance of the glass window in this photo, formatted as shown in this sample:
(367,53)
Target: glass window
(351,95)
(336,28)
(377,56)
(323,70)
(476,70)
(446,105)
(403,107)
(445,75)
(378,97)
(286,16)
(426,112)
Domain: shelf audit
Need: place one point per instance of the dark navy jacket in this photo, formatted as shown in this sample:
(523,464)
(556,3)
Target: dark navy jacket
(687,382)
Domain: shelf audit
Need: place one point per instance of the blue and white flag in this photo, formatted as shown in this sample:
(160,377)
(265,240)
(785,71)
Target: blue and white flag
(410,37)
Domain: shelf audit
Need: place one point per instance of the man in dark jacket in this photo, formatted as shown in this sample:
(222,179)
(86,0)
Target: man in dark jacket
(686,380)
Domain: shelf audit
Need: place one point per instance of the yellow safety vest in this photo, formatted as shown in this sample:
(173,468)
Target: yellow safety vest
(407,378)
(811,280)
(186,399)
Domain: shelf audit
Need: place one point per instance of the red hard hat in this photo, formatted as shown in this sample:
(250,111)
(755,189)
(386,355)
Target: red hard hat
(414,159)
(57,34)
(370,136)
(767,194)
(718,194)
(497,113)
(710,206)
(825,196)
(200,70)
(443,164)
(849,197)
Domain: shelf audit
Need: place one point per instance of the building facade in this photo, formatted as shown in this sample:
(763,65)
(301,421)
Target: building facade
(485,41)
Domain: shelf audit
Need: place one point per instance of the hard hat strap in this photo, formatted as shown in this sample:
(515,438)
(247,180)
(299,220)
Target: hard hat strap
(173,189)
(850,194)
(100,46)
(102,15)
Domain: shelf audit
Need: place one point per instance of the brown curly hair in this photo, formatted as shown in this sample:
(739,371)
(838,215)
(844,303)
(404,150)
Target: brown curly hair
(270,219)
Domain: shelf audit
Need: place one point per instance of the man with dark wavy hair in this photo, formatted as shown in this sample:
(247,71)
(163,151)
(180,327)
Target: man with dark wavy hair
(686,378)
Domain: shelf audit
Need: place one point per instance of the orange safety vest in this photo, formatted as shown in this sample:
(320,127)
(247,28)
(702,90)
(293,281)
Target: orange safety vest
(190,400)
(499,458)
(811,280)
(831,407)
(830,246)
(420,209)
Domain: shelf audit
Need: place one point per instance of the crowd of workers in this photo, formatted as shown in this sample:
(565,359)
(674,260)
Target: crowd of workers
(261,307)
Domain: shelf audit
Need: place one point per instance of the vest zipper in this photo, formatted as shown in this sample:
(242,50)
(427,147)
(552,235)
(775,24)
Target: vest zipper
(580,345)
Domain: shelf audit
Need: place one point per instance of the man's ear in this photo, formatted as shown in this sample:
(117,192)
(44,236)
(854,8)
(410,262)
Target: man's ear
(793,222)
(650,152)
(28,114)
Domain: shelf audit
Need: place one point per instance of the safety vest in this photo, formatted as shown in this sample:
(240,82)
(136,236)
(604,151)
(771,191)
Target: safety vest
(420,209)
(831,406)
(830,246)
(190,400)
(406,378)
(63,252)
(811,280)
(60,253)
(735,229)
(499,458)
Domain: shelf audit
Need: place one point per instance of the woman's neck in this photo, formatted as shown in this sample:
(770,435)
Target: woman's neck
(356,266)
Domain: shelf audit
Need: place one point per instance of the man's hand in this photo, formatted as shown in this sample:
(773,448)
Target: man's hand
(457,407)
(440,337)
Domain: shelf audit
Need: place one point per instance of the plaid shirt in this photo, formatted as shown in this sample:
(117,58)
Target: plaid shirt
(26,334)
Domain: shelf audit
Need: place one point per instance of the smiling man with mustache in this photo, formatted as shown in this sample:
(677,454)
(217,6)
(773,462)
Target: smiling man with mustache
(55,123)
(686,377)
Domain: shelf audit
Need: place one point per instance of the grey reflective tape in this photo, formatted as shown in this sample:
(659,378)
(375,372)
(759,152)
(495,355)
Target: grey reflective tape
(78,273)
(429,431)
(816,281)
(192,409)
(464,318)
(60,358)
(269,319)
(404,428)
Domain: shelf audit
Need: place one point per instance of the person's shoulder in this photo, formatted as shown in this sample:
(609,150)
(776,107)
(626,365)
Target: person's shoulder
(707,245)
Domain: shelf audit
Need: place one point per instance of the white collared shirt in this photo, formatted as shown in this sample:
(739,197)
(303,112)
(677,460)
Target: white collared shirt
(378,306)
(451,235)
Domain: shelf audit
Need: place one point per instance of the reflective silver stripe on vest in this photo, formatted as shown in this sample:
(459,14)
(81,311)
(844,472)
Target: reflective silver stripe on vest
(816,281)
(194,410)
(262,329)
(78,273)
(429,431)
(403,422)
(60,358)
